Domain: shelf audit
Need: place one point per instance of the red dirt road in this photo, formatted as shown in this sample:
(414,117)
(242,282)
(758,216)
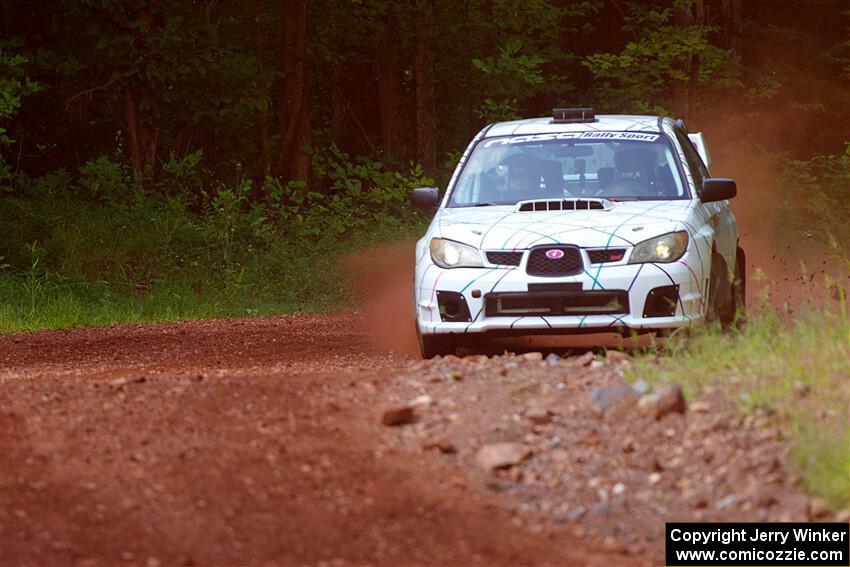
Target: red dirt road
(247,442)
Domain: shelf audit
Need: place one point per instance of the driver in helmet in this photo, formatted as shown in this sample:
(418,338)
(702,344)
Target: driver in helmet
(523,177)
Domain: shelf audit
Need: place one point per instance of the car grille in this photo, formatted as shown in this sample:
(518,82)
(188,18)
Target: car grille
(505,258)
(567,265)
(553,303)
(606,255)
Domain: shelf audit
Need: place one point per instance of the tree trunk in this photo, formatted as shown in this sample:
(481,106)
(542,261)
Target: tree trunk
(142,130)
(692,14)
(732,18)
(149,139)
(263,123)
(390,78)
(423,71)
(294,112)
(132,117)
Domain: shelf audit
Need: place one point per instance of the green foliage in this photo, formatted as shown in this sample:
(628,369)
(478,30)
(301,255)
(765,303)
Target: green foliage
(14,86)
(814,196)
(176,59)
(361,195)
(509,76)
(795,372)
(100,250)
(105,179)
(642,78)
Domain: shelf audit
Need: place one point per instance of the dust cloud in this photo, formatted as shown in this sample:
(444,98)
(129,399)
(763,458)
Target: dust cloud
(784,272)
(384,283)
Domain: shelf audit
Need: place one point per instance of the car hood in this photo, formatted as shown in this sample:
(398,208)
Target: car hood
(505,228)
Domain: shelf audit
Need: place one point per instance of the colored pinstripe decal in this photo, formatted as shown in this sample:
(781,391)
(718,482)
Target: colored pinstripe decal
(580,323)
(478,278)
(577,228)
(672,281)
(492,289)
(629,242)
(491,227)
(516,321)
(696,281)
(545,321)
(525,229)
(595,281)
(634,279)
(616,319)
(421,283)
(424,273)
(613,234)
(434,295)
(527,236)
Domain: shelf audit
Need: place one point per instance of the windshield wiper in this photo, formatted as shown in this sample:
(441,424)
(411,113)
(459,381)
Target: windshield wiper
(487,204)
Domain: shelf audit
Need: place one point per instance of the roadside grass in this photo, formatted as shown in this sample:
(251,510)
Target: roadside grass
(797,371)
(289,278)
(99,250)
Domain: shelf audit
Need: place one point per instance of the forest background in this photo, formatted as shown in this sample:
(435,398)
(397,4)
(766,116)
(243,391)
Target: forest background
(179,159)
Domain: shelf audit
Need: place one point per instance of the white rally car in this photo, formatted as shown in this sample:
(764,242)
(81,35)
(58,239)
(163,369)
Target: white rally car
(576,224)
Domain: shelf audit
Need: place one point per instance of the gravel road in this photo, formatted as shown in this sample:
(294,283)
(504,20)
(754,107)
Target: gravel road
(295,441)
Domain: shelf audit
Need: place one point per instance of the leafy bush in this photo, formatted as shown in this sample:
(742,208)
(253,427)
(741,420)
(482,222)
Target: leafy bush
(350,196)
(100,249)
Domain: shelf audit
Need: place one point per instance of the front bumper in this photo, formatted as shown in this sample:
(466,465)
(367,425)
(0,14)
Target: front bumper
(578,304)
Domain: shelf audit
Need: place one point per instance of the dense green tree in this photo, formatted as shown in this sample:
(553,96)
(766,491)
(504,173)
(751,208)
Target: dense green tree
(14,86)
(670,56)
(262,87)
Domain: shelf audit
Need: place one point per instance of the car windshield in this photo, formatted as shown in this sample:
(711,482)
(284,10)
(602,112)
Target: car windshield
(610,165)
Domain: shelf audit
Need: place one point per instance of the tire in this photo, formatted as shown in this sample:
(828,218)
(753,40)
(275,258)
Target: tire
(720,306)
(432,345)
(739,290)
(435,345)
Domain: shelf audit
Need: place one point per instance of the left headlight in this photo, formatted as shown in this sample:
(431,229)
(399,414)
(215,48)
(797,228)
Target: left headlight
(664,249)
(451,254)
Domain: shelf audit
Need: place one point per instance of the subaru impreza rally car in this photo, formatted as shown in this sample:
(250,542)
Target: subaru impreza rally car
(576,224)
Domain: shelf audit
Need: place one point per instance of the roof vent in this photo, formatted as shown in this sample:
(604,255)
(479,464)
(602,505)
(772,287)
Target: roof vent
(572,115)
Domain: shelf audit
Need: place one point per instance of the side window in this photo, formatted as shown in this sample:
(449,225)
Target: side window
(698,169)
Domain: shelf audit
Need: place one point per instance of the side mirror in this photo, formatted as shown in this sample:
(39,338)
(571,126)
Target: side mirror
(426,198)
(718,189)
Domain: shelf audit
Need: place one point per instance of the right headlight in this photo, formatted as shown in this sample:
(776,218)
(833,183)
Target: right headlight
(451,254)
(663,249)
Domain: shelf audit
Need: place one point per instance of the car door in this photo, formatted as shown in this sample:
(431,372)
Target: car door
(719,214)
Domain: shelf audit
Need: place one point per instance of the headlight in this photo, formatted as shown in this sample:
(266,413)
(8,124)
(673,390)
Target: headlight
(450,254)
(665,248)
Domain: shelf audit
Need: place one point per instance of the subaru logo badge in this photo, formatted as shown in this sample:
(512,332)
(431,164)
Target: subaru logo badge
(554,254)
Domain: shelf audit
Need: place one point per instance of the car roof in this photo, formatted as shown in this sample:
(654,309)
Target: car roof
(604,122)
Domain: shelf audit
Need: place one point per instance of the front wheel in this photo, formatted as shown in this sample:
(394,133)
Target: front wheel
(739,289)
(720,308)
(435,345)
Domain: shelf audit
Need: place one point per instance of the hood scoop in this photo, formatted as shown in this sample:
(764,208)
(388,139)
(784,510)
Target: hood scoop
(564,205)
